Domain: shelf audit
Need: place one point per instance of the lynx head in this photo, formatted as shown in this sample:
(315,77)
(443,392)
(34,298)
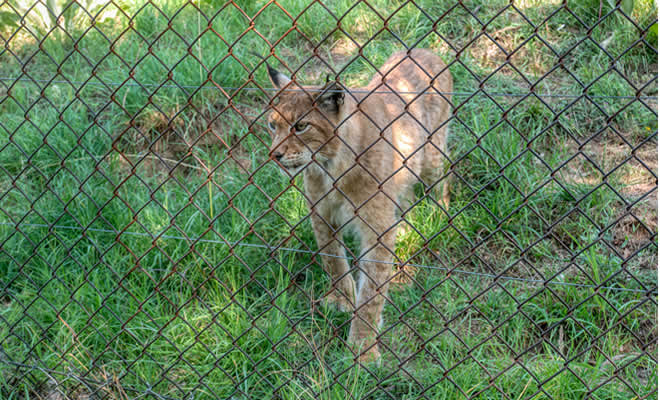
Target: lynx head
(303,122)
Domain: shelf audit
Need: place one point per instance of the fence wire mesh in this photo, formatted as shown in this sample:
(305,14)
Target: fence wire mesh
(160,237)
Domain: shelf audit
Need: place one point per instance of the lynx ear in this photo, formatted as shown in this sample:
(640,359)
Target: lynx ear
(331,97)
(278,79)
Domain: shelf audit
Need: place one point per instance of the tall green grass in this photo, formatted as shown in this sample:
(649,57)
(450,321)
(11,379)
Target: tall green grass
(136,206)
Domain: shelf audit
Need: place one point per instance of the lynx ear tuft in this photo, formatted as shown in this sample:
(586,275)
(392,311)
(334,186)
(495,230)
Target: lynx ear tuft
(331,97)
(278,79)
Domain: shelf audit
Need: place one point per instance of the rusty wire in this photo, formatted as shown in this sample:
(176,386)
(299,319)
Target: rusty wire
(268,89)
(68,377)
(320,253)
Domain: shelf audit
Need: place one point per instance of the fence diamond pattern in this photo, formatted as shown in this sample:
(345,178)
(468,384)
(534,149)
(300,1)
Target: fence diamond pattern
(151,248)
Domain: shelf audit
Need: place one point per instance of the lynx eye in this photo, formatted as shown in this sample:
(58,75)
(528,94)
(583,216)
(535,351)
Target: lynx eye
(272,126)
(301,127)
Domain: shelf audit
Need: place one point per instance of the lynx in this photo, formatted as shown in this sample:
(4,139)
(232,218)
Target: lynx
(360,151)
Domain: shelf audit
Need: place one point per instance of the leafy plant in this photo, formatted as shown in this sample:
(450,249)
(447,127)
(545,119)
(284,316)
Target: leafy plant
(69,15)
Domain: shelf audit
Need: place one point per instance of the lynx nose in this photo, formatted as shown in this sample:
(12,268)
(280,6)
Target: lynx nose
(277,155)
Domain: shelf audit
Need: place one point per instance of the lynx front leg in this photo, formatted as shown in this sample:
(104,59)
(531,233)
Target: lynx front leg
(342,292)
(373,283)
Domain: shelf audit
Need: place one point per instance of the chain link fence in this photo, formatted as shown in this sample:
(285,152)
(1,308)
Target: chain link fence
(152,244)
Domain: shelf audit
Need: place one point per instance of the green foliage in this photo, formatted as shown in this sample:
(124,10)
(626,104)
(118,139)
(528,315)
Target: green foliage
(150,288)
(652,35)
(69,15)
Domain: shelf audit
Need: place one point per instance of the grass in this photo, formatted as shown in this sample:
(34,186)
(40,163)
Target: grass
(161,178)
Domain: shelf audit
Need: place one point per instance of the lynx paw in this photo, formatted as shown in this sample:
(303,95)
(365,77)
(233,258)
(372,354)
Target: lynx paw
(364,345)
(370,355)
(339,301)
(366,350)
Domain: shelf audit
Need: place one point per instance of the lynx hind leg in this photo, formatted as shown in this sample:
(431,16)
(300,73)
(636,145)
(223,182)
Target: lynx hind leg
(445,193)
(342,291)
(436,166)
(405,200)
(403,190)
(441,186)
